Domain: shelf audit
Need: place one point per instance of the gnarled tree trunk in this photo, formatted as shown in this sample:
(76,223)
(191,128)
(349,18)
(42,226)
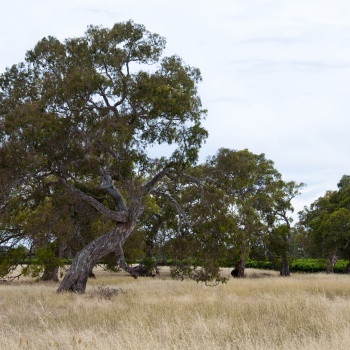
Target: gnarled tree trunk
(76,277)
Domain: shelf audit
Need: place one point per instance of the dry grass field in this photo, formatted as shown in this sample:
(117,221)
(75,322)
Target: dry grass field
(118,312)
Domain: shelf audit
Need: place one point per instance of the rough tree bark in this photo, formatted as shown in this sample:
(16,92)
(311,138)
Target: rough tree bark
(240,267)
(76,277)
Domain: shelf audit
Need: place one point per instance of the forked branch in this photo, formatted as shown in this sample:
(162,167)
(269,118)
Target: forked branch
(119,216)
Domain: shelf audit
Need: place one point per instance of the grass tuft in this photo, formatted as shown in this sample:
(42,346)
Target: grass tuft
(106,293)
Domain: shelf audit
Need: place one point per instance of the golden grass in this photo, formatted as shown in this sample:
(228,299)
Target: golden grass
(118,312)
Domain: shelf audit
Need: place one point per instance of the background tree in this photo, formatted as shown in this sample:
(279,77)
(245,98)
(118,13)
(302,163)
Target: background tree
(249,182)
(326,225)
(82,114)
(203,236)
(242,200)
(279,219)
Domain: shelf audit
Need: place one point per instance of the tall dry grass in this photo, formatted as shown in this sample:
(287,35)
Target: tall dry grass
(118,312)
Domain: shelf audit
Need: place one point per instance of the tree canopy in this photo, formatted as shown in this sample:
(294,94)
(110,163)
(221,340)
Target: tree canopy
(81,116)
(234,207)
(326,224)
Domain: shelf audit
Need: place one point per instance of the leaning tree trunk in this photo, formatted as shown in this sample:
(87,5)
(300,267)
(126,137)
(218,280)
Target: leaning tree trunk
(76,277)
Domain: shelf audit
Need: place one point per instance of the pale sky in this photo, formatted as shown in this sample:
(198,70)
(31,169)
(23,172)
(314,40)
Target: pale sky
(276,73)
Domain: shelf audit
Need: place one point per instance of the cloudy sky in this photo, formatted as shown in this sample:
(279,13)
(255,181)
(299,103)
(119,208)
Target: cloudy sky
(276,73)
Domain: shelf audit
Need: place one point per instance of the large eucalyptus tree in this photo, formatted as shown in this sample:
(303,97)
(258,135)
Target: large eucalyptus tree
(83,114)
(258,200)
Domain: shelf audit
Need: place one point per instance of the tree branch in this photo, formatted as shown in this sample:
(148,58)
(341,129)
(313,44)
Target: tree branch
(119,216)
(177,206)
(156,178)
(107,185)
(122,263)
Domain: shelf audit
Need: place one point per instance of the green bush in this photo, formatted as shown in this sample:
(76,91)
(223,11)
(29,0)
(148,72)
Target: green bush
(308,265)
(316,265)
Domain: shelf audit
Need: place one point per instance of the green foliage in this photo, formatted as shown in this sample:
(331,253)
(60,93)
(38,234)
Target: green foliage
(207,271)
(326,224)
(10,259)
(78,119)
(316,265)
(151,265)
(309,265)
(260,264)
(110,262)
(257,203)
(45,258)
(232,206)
